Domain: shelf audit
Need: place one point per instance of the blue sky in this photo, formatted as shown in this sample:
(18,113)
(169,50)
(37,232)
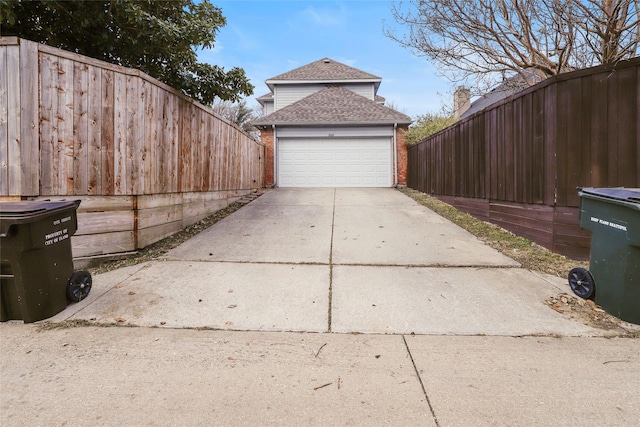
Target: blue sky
(267,38)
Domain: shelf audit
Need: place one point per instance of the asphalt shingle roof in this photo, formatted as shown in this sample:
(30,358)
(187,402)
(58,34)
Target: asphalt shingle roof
(334,105)
(509,87)
(264,98)
(325,69)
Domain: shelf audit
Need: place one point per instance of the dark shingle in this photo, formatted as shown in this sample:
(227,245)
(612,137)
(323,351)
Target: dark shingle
(510,86)
(334,105)
(262,100)
(325,69)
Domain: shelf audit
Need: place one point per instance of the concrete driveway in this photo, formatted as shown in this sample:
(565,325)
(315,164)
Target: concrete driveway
(377,312)
(333,260)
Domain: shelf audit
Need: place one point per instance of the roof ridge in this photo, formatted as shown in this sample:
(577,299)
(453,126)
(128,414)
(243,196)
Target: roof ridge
(325,69)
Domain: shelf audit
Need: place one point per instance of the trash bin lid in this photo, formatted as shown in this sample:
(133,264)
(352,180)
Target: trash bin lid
(623,194)
(29,211)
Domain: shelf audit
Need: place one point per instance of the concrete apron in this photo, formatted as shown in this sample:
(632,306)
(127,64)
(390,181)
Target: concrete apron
(333,260)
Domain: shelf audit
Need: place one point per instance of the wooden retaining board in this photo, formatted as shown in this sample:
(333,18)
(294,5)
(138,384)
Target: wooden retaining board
(117,224)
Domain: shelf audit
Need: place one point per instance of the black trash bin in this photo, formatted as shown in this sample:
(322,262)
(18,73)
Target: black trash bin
(37,278)
(613,278)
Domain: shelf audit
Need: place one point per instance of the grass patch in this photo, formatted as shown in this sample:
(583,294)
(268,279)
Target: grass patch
(531,255)
(80,323)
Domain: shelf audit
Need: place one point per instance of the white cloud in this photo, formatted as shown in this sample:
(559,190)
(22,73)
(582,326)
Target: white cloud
(325,18)
(243,40)
(292,64)
(346,61)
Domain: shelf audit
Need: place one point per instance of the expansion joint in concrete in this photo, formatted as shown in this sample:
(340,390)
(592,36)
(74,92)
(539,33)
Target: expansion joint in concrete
(424,390)
(333,220)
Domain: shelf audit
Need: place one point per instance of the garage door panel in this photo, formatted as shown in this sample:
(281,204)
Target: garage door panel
(334,163)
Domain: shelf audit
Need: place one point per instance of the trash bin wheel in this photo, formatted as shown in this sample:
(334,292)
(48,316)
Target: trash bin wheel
(79,286)
(582,283)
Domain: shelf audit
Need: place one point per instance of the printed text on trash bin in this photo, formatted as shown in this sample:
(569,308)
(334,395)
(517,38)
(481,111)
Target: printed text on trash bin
(609,223)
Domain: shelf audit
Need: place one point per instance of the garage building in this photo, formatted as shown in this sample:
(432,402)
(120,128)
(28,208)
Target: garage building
(325,126)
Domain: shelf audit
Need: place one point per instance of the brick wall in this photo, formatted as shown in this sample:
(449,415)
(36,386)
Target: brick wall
(401,154)
(266,137)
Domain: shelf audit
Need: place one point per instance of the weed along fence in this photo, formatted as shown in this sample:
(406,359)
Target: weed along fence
(144,159)
(518,163)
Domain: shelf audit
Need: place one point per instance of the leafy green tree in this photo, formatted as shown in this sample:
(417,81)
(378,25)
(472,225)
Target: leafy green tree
(426,125)
(160,38)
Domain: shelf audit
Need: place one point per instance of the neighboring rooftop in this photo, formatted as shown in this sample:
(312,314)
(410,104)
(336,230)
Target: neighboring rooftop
(334,105)
(264,98)
(508,87)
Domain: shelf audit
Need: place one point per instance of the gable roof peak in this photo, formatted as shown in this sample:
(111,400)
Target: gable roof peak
(325,69)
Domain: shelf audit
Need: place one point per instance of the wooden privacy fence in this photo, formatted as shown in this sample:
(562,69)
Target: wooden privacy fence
(144,159)
(518,162)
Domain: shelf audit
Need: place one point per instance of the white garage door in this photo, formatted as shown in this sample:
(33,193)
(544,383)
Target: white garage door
(334,162)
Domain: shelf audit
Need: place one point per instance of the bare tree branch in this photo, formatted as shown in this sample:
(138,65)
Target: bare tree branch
(481,40)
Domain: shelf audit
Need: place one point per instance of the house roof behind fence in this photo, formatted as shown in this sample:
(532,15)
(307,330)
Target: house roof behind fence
(508,87)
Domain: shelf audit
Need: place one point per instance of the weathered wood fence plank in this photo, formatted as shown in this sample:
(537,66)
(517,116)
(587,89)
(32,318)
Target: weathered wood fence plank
(94,132)
(65,127)
(13,121)
(4,122)
(75,127)
(80,127)
(29,120)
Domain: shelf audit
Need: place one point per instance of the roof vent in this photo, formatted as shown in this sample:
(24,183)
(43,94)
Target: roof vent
(326,61)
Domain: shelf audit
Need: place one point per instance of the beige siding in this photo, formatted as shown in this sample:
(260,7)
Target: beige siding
(285,95)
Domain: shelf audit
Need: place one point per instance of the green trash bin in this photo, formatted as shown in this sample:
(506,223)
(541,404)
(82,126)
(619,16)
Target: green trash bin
(613,279)
(37,278)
